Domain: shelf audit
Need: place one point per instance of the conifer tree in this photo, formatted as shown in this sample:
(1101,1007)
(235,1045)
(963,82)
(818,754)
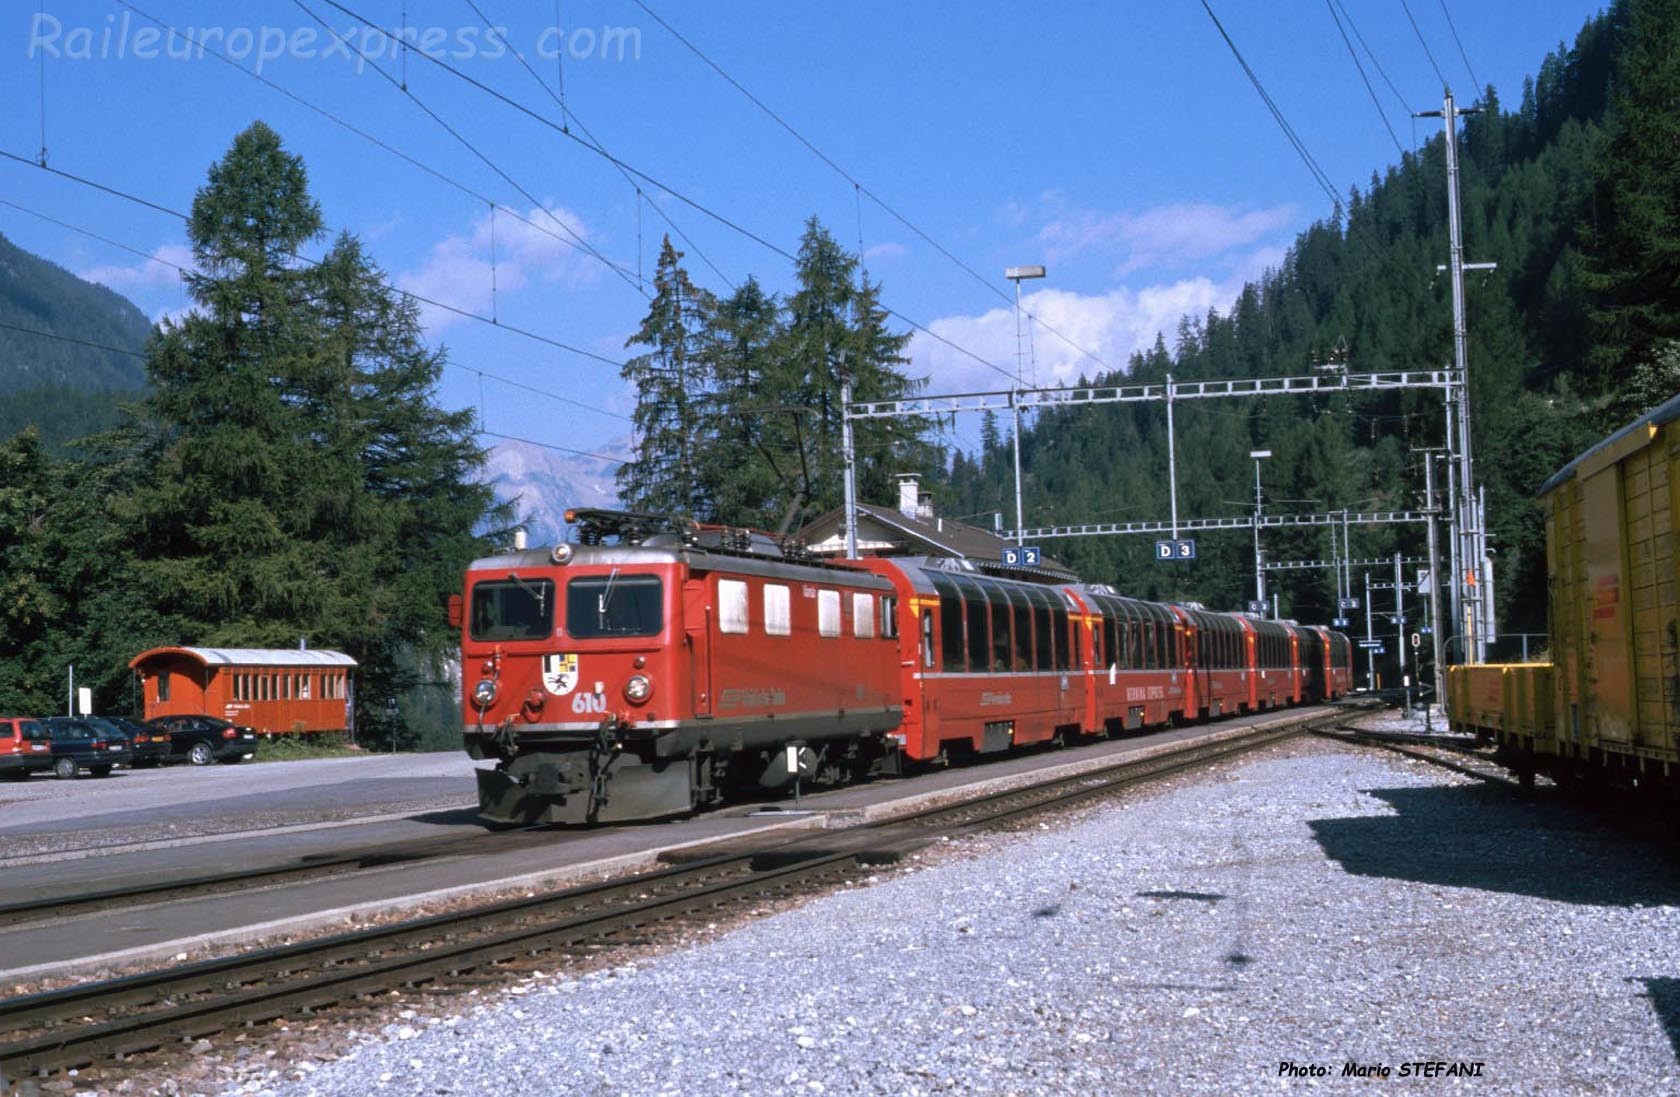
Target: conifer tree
(673,381)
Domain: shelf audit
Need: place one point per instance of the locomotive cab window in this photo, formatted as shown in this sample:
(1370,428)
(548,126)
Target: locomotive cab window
(615,605)
(513,609)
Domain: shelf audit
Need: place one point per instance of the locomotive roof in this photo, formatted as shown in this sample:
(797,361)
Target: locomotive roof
(1636,435)
(252,657)
(659,550)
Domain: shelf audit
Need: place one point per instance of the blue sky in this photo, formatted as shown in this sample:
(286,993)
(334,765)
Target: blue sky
(1119,144)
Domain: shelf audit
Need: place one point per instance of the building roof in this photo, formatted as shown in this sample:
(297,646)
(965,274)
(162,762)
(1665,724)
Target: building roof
(252,657)
(886,531)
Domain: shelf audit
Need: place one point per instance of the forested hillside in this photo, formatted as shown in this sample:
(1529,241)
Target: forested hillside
(1573,194)
(67,386)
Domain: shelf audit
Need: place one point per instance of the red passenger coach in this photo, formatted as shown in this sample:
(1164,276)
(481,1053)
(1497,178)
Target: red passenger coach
(274,690)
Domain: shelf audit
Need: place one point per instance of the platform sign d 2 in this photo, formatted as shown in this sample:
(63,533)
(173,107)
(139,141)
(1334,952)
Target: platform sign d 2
(1023,556)
(1181,549)
(1338,622)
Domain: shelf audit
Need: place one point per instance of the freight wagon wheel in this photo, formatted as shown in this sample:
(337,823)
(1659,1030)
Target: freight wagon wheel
(199,754)
(64,768)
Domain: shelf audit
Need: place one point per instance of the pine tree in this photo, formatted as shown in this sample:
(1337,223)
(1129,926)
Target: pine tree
(673,381)
(1634,251)
(302,481)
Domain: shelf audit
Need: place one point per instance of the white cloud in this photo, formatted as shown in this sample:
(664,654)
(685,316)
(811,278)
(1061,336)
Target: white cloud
(890,249)
(541,249)
(1174,234)
(1111,325)
(159,270)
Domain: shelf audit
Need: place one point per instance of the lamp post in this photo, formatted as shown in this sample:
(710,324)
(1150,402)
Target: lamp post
(1018,275)
(1259,566)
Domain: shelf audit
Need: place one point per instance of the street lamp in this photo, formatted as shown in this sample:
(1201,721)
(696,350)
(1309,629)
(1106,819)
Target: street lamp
(1259,565)
(1018,275)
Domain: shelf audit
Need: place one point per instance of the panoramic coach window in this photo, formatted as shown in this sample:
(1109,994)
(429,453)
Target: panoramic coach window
(828,613)
(732,606)
(615,605)
(778,618)
(863,616)
(1022,607)
(950,626)
(512,609)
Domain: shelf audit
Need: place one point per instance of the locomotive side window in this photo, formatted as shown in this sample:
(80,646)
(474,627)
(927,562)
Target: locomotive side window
(513,609)
(615,605)
(778,616)
(828,613)
(863,615)
(889,617)
(732,606)
(927,638)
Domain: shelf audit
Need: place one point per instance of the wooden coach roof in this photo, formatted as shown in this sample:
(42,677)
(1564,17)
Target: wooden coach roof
(251,657)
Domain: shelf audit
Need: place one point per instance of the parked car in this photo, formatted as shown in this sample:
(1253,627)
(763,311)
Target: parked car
(204,739)
(25,747)
(151,745)
(78,745)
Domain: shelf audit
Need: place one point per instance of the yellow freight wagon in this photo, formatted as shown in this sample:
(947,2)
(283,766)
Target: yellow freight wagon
(1610,544)
(1607,707)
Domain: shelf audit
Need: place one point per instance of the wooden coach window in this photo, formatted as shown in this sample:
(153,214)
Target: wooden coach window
(163,685)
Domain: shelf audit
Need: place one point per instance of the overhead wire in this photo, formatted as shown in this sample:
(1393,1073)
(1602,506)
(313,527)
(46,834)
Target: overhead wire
(859,187)
(461,138)
(1451,26)
(153,258)
(1427,52)
(1347,18)
(1366,80)
(350,127)
(652,181)
(569,117)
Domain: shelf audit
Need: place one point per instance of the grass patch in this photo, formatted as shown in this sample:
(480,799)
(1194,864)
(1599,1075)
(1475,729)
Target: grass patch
(298,748)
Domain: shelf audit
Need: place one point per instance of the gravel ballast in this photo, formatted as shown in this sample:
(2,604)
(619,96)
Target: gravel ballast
(1234,932)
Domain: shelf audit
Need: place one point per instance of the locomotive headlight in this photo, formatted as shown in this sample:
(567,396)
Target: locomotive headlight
(561,553)
(638,689)
(484,694)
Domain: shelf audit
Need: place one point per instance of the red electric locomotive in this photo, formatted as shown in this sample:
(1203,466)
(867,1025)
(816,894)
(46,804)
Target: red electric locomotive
(649,677)
(641,679)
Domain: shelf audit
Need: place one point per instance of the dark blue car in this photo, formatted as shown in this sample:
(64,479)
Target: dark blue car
(78,745)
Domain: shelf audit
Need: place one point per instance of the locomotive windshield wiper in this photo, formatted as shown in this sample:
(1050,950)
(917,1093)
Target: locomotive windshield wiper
(538,593)
(604,599)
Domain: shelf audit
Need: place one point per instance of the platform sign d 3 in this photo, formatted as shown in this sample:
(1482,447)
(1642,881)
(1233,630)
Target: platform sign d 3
(1180,549)
(1023,556)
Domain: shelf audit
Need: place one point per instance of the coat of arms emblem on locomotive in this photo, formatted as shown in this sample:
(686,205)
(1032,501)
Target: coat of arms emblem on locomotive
(560,674)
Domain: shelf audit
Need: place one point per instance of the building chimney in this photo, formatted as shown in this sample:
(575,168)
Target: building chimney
(909,494)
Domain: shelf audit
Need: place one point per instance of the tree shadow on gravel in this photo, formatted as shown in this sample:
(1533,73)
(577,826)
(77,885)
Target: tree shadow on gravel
(1664,994)
(1471,836)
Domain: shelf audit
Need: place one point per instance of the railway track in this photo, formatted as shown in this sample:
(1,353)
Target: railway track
(1460,757)
(93,1024)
